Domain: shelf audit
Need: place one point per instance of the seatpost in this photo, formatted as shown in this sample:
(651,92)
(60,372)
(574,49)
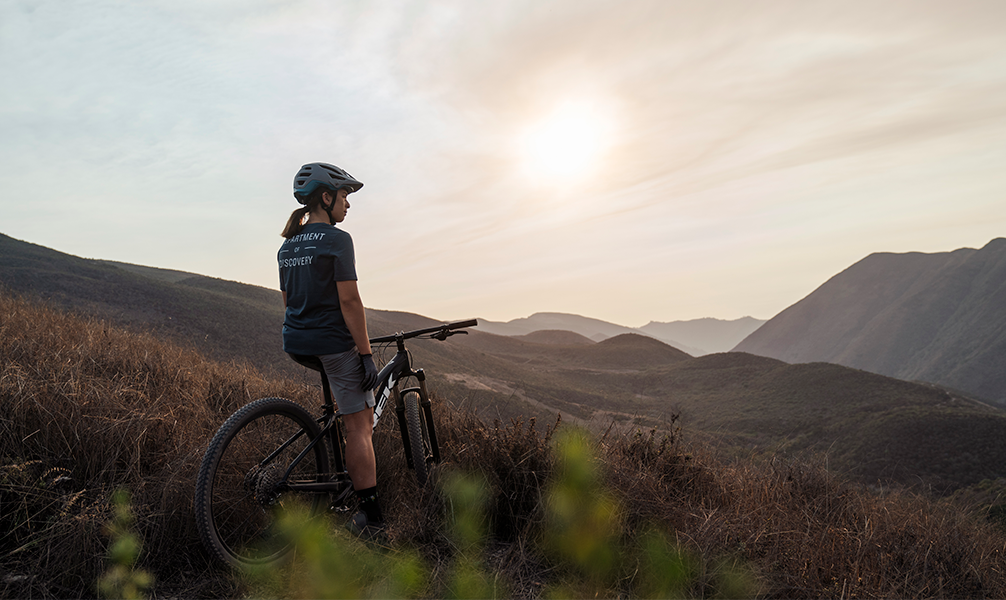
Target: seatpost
(326,389)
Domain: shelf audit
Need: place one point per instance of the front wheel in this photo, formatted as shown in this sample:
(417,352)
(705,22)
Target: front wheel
(240,489)
(420,440)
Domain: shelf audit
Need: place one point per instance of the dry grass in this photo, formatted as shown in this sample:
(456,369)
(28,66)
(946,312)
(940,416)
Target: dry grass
(808,534)
(104,409)
(89,409)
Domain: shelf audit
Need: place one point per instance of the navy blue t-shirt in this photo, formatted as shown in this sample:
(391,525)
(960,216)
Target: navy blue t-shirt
(309,265)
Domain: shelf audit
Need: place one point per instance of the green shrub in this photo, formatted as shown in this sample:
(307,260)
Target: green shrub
(122,579)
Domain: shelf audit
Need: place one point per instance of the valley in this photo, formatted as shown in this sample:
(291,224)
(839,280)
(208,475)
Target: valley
(873,428)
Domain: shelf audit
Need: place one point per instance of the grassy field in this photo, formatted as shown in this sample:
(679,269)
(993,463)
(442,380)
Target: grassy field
(90,409)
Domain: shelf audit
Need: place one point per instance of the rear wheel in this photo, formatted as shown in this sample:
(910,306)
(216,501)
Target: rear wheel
(240,490)
(420,444)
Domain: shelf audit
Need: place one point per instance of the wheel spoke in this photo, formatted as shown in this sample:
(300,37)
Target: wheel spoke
(238,497)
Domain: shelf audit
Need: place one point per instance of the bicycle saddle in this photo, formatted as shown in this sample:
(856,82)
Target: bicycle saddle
(311,362)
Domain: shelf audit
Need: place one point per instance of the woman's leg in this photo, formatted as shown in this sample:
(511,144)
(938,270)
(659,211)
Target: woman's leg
(344,375)
(362,467)
(360,461)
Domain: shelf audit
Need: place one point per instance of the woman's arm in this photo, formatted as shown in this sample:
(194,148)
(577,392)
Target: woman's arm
(354,314)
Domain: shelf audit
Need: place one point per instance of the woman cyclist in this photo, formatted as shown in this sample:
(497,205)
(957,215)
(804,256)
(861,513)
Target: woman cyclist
(325,318)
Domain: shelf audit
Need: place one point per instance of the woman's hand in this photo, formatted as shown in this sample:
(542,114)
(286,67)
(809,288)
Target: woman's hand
(369,372)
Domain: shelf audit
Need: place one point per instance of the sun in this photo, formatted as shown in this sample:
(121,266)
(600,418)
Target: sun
(566,145)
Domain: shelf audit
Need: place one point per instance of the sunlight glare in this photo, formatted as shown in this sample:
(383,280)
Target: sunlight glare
(566,145)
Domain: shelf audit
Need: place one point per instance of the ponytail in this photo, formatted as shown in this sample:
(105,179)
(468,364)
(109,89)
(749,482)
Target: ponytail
(297,218)
(296,222)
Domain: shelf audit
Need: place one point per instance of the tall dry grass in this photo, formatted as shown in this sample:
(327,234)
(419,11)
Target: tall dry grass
(807,533)
(89,409)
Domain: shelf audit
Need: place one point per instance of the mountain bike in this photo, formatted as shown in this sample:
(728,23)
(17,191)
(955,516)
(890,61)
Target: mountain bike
(272,454)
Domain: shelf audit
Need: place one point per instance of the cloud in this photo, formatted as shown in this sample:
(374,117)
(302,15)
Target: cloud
(732,122)
(697,82)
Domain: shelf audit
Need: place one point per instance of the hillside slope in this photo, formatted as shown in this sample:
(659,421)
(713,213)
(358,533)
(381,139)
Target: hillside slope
(90,409)
(225,320)
(931,317)
(628,380)
(874,428)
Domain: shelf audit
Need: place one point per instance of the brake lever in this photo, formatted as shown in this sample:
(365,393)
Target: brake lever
(443,334)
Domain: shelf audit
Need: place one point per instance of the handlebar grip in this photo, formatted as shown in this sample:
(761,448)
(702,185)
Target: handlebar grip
(419,332)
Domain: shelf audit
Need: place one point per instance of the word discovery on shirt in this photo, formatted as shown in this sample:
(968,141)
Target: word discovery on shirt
(299,261)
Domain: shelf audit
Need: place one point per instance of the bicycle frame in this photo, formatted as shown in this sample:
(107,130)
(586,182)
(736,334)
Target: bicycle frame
(243,474)
(396,370)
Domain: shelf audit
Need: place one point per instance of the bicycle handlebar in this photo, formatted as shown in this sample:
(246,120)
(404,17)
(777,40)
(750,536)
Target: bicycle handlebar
(444,329)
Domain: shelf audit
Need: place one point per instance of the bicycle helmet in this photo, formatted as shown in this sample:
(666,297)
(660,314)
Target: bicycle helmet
(314,175)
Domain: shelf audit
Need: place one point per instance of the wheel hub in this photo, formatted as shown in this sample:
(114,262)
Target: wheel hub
(262,483)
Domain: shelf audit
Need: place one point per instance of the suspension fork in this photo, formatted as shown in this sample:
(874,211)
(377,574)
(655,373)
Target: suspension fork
(403,427)
(427,415)
(427,407)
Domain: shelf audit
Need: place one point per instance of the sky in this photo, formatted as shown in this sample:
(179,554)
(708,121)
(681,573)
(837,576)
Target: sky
(626,160)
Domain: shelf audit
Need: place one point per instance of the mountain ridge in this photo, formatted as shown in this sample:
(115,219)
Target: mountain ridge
(936,317)
(696,337)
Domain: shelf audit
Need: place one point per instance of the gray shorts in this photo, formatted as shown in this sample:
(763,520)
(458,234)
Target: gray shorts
(345,375)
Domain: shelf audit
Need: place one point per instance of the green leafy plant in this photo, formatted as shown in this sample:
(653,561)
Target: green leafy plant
(582,519)
(122,579)
(585,534)
(466,497)
(327,564)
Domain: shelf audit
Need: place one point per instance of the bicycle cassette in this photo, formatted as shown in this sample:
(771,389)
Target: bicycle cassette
(262,483)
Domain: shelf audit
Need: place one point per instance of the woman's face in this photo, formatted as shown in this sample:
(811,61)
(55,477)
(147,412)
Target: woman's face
(340,205)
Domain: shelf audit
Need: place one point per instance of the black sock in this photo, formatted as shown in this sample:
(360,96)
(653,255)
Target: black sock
(369,505)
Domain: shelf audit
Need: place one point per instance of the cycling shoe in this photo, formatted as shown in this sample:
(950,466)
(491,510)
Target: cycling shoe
(362,528)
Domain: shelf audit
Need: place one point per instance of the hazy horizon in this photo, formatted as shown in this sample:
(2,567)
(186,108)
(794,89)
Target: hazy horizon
(628,162)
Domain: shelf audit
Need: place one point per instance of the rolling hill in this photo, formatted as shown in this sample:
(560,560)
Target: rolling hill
(708,336)
(875,428)
(225,320)
(939,318)
(696,337)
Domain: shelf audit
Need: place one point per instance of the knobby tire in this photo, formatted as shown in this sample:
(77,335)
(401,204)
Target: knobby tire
(419,439)
(238,502)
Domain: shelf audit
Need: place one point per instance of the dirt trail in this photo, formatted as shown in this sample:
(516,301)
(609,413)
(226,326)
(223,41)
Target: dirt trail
(602,418)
